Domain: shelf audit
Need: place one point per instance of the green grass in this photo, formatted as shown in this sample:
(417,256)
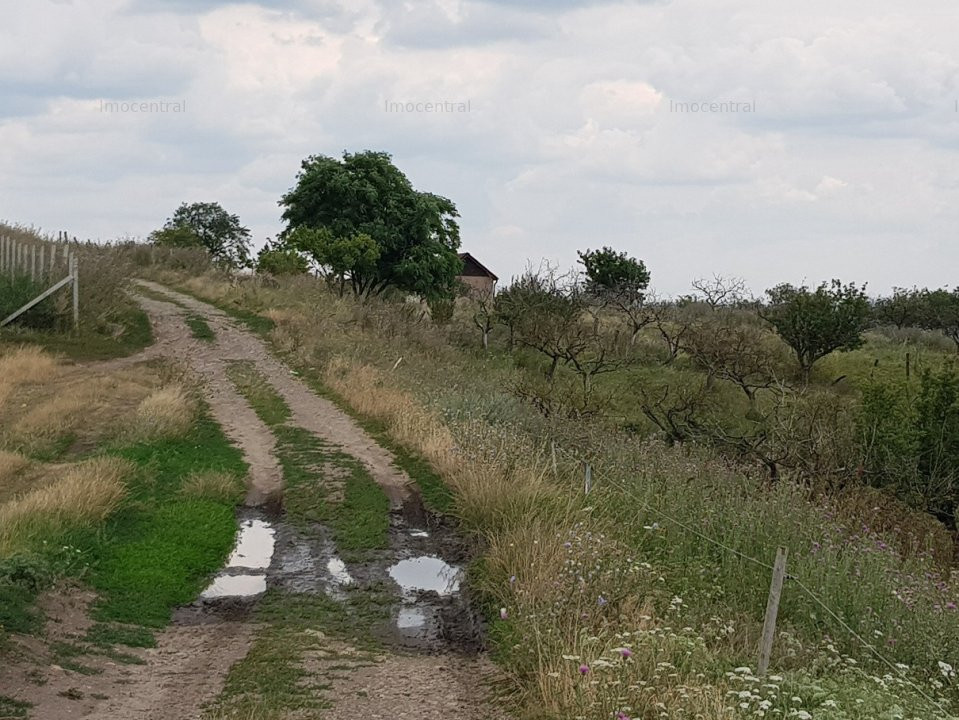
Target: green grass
(262,397)
(159,549)
(130,333)
(360,520)
(272,679)
(11,709)
(200,328)
(155,552)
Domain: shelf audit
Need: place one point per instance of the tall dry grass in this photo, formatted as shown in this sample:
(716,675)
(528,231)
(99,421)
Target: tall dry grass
(22,366)
(86,495)
(11,464)
(166,413)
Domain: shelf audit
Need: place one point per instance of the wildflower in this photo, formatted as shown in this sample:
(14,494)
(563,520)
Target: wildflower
(512,579)
(503,614)
(601,601)
(622,716)
(625,652)
(946,670)
(584,669)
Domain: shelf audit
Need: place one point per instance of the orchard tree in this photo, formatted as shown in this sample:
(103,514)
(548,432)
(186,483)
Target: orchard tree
(618,280)
(817,322)
(941,312)
(371,228)
(209,226)
(904,308)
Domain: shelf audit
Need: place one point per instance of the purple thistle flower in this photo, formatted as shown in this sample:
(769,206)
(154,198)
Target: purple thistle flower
(626,652)
(584,669)
(622,716)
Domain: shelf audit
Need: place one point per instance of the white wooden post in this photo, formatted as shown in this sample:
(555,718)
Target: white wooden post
(75,274)
(589,478)
(772,611)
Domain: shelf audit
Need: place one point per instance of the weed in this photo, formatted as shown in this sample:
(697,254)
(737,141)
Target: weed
(10,709)
(200,328)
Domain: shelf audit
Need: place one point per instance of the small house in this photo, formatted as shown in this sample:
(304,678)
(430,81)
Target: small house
(477,277)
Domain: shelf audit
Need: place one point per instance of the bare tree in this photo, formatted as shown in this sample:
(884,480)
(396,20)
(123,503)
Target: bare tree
(720,291)
(736,352)
(484,317)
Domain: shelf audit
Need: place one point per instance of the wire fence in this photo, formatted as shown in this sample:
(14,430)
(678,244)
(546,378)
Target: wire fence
(591,477)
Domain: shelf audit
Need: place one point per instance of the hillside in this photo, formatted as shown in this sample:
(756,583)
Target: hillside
(639,592)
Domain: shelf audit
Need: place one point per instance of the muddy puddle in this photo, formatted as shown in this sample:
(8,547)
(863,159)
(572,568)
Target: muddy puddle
(423,568)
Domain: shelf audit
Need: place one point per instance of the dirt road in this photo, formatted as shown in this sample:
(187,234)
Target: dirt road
(187,670)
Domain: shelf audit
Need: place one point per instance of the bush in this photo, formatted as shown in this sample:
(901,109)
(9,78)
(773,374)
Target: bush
(17,291)
(909,443)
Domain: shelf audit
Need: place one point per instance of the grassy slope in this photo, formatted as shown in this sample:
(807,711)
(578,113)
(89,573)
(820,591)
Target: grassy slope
(722,598)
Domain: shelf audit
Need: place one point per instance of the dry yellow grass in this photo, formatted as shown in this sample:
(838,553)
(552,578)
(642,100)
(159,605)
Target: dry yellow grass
(86,494)
(11,464)
(23,365)
(220,486)
(165,413)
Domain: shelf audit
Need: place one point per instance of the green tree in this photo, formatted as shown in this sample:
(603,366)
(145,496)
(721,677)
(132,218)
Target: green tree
(616,279)
(414,234)
(613,273)
(343,260)
(941,312)
(278,259)
(207,225)
(904,308)
(817,322)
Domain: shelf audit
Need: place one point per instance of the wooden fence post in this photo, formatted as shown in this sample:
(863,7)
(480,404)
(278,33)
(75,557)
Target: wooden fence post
(772,610)
(589,478)
(75,274)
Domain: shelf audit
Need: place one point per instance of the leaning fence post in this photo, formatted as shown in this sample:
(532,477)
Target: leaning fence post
(75,274)
(772,610)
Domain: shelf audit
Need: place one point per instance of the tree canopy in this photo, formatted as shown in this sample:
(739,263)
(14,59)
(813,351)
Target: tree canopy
(614,273)
(207,225)
(363,222)
(816,322)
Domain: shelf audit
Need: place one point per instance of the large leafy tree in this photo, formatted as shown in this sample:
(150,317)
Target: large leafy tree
(817,322)
(209,226)
(616,279)
(371,228)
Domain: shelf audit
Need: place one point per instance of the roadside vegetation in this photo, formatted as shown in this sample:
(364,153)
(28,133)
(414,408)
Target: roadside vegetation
(114,480)
(110,324)
(601,604)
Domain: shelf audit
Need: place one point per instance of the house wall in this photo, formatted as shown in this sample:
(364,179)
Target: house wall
(480,285)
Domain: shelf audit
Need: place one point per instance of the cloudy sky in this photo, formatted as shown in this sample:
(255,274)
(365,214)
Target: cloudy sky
(831,150)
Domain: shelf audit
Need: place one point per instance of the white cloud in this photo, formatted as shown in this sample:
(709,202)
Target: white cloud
(571,140)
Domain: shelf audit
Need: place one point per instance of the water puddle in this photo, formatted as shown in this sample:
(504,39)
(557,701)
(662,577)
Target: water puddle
(337,570)
(235,586)
(254,546)
(411,618)
(426,573)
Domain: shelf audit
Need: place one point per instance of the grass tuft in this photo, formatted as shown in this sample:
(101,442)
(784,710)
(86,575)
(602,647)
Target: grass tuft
(86,495)
(166,413)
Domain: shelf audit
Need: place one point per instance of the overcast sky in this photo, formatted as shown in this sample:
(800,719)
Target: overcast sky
(831,148)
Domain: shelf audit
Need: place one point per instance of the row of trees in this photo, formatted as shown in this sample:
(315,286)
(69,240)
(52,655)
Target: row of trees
(357,221)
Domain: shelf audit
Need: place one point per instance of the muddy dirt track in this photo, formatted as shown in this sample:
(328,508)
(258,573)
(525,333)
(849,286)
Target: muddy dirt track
(424,673)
